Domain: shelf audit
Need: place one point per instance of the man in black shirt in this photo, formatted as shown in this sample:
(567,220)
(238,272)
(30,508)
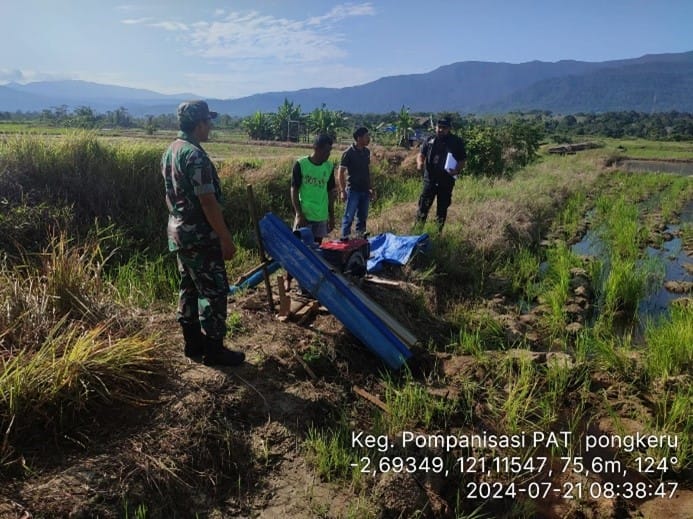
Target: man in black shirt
(354,180)
(441,158)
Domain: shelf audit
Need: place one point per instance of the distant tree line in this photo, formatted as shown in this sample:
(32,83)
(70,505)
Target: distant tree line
(85,117)
(677,126)
(403,127)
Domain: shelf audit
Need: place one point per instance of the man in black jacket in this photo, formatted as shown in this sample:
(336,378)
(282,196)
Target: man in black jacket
(441,158)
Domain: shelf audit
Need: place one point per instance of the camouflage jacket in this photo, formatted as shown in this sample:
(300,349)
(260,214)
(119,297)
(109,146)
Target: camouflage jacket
(188,172)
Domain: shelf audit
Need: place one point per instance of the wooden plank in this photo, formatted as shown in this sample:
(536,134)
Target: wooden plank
(260,246)
(371,398)
(284,300)
(382,281)
(307,311)
(303,363)
(296,305)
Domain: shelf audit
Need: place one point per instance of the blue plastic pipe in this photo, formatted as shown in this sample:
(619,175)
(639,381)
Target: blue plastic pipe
(253,280)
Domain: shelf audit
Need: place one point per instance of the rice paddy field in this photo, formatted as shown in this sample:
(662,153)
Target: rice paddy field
(551,378)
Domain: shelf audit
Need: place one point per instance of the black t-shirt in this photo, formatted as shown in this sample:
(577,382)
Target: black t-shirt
(436,149)
(357,162)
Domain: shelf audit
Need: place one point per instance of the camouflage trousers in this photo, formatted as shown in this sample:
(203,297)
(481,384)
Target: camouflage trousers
(203,290)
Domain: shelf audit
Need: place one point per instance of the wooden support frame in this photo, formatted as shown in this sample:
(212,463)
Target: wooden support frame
(258,235)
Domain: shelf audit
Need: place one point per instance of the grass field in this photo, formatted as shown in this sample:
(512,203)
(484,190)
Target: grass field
(533,376)
(643,149)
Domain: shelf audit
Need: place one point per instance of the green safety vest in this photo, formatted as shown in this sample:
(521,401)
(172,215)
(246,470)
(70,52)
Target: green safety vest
(313,190)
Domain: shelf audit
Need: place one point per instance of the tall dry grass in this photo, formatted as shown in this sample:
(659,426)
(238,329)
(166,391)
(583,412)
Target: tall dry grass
(65,345)
(75,180)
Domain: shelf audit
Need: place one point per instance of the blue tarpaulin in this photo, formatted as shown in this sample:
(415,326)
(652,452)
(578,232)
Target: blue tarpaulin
(390,248)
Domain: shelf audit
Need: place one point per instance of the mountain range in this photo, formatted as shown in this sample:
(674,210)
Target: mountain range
(651,83)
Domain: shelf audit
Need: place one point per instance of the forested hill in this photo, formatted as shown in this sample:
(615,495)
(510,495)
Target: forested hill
(646,87)
(658,82)
(483,87)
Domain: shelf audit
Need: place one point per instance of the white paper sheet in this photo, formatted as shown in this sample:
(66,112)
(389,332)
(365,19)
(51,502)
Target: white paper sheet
(450,163)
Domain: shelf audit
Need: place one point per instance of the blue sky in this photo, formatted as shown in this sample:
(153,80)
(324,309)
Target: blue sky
(229,49)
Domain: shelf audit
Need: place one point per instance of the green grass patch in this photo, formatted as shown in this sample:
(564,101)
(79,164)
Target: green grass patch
(624,283)
(675,197)
(570,219)
(674,417)
(555,287)
(392,190)
(648,149)
(687,235)
(411,406)
(618,224)
(626,274)
(514,401)
(144,281)
(615,355)
(523,270)
(333,456)
(670,344)
(559,379)
(479,331)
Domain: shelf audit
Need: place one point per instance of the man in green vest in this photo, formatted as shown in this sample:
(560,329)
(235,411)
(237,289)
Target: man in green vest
(313,189)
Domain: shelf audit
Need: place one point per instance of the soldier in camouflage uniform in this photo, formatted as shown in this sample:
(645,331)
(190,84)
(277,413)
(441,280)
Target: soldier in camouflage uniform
(199,236)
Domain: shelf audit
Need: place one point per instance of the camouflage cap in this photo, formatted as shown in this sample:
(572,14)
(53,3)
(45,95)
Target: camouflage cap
(193,111)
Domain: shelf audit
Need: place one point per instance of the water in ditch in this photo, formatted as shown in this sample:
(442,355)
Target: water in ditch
(684,168)
(677,265)
(674,259)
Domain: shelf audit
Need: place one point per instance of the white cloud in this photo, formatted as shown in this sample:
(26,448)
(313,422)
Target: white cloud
(128,7)
(340,12)
(136,21)
(239,53)
(254,36)
(170,26)
(28,76)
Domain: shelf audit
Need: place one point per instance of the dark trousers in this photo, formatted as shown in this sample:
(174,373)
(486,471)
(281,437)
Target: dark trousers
(435,189)
(204,289)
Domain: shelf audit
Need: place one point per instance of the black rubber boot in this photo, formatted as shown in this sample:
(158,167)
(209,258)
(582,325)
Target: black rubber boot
(217,355)
(194,340)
